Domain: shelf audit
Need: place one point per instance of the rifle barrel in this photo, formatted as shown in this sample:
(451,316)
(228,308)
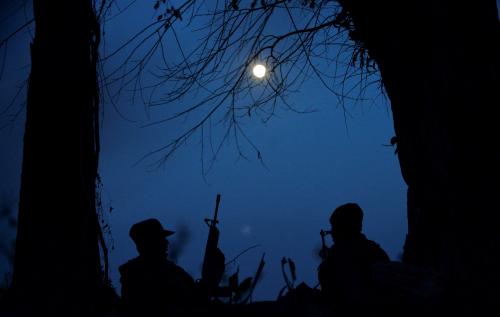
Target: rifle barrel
(217,202)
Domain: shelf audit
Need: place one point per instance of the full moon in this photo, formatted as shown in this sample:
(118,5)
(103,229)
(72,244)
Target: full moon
(259,70)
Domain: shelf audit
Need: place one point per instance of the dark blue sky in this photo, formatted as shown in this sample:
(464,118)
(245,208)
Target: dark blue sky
(314,161)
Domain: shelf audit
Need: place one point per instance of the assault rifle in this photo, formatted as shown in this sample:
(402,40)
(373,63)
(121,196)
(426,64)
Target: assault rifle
(212,269)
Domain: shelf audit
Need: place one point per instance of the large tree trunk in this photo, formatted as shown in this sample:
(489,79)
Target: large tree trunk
(57,263)
(439,62)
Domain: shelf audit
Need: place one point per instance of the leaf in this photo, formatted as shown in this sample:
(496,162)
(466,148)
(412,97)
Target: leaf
(282,291)
(293,270)
(233,281)
(259,271)
(245,285)
(157,5)
(284,261)
(243,288)
(159,17)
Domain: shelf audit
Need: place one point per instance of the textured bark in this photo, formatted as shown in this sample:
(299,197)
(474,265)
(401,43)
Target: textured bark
(439,64)
(57,264)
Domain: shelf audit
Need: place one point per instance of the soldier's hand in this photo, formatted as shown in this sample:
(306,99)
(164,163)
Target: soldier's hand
(219,265)
(215,269)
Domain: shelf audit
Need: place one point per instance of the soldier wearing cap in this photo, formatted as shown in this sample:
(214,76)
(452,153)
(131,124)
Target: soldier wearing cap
(151,284)
(345,274)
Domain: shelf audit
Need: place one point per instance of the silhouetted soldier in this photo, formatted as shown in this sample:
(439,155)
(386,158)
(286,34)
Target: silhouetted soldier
(345,274)
(151,284)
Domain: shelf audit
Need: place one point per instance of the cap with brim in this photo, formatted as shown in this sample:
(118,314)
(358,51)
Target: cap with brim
(148,229)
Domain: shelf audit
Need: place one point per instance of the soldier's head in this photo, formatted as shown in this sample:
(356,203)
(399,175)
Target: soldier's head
(150,237)
(346,221)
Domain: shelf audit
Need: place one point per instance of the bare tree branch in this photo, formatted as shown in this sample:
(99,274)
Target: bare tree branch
(296,40)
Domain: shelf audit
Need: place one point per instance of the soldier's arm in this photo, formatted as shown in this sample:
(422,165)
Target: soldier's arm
(324,275)
(127,290)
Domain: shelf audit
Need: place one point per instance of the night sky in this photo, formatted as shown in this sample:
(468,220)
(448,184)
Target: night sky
(313,163)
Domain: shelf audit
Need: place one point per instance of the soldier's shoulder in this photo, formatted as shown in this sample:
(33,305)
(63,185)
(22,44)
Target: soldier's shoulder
(376,250)
(176,269)
(372,244)
(129,266)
